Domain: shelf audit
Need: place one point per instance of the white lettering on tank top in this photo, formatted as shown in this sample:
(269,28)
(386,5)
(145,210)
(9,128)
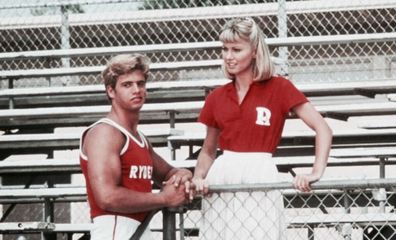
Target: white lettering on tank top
(263,116)
(141,172)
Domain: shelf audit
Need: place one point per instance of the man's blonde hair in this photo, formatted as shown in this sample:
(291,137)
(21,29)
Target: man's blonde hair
(123,64)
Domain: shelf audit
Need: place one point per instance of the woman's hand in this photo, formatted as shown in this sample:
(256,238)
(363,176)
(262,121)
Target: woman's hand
(198,187)
(303,182)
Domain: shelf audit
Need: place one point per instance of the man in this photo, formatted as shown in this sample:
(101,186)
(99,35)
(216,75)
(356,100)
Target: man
(119,163)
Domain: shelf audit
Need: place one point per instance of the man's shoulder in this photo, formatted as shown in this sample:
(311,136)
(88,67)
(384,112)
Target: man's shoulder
(103,130)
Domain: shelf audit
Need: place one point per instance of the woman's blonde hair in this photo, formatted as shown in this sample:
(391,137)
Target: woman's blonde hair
(247,29)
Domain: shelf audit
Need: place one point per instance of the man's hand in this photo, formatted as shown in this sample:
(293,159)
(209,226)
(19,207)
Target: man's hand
(173,196)
(181,177)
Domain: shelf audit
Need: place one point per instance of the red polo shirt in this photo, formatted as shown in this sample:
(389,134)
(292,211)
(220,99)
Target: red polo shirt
(256,124)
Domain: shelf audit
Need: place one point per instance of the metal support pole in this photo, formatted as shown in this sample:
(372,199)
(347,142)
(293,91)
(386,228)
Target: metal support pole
(11,103)
(172,124)
(181,225)
(382,166)
(347,202)
(169,224)
(65,38)
(172,119)
(190,150)
(382,175)
(282,33)
(48,217)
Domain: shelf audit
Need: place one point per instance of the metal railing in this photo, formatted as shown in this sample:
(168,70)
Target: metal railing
(339,209)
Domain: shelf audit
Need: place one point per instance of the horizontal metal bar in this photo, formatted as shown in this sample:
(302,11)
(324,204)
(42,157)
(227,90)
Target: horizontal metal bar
(344,184)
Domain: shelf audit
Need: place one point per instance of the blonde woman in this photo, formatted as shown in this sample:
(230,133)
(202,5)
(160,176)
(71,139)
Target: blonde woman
(245,119)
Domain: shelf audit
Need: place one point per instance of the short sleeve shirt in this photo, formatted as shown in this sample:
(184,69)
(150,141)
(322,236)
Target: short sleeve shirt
(256,124)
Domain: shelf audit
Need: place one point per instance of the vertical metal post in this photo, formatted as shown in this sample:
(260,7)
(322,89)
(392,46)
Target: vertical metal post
(172,124)
(11,103)
(382,167)
(347,208)
(382,190)
(48,217)
(190,150)
(172,119)
(169,224)
(181,225)
(347,202)
(65,38)
(282,33)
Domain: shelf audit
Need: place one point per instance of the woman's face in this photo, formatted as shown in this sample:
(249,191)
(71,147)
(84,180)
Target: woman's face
(238,56)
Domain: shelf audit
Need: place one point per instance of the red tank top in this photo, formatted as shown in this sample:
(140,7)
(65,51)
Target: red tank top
(137,169)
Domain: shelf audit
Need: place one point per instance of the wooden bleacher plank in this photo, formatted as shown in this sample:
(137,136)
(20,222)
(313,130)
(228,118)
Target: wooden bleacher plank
(392,97)
(374,122)
(192,46)
(73,227)
(58,165)
(348,88)
(95,94)
(313,89)
(364,152)
(114,50)
(158,112)
(338,157)
(90,89)
(301,136)
(358,109)
(302,142)
(58,72)
(44,143)
(327,220)
(26,226)
(85,115)
(285,164)
(39,194)
(97,110)
(40,166)
(341,218)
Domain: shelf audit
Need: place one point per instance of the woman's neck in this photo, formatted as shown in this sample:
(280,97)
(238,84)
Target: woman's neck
(243,81)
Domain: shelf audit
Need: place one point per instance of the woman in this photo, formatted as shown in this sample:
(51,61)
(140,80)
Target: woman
(245,119)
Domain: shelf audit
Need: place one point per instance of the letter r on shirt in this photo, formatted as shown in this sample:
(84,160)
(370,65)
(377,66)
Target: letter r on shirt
(134,172)
(263,116)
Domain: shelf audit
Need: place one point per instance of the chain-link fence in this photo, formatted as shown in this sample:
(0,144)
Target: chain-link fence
(339,210)
(47,25)
(361,209)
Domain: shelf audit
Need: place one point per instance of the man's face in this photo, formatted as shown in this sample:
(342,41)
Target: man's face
(130,91)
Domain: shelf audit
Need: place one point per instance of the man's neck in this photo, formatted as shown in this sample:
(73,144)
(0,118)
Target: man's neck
(127,120)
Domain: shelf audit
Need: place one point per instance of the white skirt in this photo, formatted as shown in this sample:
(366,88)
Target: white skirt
(112,227)
(243,215)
